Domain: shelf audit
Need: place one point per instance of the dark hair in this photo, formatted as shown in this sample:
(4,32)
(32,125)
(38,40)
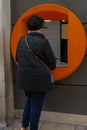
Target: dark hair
(35,23)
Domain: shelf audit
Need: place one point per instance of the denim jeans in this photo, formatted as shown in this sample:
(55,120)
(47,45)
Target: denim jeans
(32,110)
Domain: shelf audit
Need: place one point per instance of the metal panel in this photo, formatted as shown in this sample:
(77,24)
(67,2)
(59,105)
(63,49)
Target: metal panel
(67,99)
(79,77)
(19,7)
(61,98)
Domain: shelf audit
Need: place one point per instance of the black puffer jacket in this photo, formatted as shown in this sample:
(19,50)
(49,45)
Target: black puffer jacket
(31,74)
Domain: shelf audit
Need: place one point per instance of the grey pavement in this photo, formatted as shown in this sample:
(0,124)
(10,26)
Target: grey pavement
(16,125)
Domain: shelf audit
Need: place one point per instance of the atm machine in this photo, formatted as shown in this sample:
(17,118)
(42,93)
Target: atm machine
(68,42)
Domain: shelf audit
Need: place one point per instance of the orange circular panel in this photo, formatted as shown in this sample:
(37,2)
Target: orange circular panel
(76,35)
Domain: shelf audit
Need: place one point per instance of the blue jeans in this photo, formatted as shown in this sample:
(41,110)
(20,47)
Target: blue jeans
(32,110)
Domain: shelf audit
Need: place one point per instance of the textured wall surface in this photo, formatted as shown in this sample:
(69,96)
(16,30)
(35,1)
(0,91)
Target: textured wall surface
(2,83)
(6,85)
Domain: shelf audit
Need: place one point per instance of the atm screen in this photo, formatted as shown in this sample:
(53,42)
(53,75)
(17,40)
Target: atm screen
(56,33)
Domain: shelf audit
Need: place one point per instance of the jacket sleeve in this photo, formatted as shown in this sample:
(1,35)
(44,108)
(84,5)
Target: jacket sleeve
(49,56)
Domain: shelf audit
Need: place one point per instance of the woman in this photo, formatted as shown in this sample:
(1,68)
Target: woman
(33,76)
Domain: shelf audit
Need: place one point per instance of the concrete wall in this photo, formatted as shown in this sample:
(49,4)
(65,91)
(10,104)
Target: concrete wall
(68,95)
(6,85)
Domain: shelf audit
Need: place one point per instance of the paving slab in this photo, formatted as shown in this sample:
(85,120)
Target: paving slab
(16,125)
(44,125)
(81,128)
(56,126)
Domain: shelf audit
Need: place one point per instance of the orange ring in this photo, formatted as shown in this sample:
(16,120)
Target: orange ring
(76,35)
